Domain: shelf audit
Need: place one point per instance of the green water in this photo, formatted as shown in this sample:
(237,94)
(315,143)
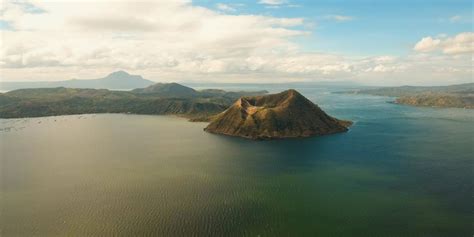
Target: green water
(400,171)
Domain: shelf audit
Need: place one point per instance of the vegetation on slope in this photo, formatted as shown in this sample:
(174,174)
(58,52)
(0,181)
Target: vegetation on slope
(283,115)
(62,101)
(453,96)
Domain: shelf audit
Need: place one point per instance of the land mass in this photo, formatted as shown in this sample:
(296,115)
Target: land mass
(246,114)
(453,96)
(284,115)
(160,98)
(119,80)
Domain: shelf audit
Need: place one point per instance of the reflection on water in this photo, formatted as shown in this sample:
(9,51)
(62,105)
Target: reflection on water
(400,171)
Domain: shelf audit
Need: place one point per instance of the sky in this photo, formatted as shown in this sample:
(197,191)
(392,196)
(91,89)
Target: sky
(371,42)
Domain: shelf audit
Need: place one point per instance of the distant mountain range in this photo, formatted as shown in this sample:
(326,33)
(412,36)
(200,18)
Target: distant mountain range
(452,96)
(276,86)
(167,89)
(466,88)
(179,91)
(119,80)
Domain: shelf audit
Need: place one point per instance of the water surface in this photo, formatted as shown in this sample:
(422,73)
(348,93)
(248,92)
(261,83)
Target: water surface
(399,171)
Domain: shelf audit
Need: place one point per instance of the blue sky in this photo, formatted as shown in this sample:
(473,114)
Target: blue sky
(377,27)
(383,42)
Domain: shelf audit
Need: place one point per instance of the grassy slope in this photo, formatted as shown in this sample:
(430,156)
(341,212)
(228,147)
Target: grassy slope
(283,115)
(455,96)
(62,101)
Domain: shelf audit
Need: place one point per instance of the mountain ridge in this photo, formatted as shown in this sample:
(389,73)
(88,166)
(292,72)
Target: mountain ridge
(38,102)
(167,89)
(451,96)
(120,80)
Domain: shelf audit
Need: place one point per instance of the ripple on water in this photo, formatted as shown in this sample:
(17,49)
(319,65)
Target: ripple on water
(129,175)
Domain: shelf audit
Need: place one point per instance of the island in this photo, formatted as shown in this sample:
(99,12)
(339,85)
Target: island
(284,115)
(453,96)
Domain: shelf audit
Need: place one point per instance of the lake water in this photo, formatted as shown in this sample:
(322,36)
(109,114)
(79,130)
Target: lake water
(399,171)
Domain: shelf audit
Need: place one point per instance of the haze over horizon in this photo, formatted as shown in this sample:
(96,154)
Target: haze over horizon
(248,41)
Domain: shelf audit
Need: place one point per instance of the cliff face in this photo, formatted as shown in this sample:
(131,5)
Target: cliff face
(284,115)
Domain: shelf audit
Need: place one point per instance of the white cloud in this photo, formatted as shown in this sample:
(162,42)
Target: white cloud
(172,40)
(225,7)
(460,44)
(455,18)
(277,4)
(94,32)
(340,18)
(427,44)
(272,2)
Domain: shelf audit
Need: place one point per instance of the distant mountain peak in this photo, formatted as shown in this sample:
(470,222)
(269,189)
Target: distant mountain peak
(167,89)
(116,80)
(119,73)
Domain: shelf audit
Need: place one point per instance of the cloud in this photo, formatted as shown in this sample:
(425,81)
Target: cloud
(272,2)
(167,35)
(173,40)
(427,44)
(116,24)
(339,18)
(225,7)
(463,43)
(277,4)
(456,18)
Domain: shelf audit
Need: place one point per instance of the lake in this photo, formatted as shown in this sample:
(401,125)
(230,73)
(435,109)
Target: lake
(399,171)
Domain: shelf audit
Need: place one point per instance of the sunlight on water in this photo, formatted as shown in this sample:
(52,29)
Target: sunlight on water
(399,171)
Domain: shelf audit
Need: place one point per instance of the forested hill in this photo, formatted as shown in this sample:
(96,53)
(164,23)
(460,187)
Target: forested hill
(160,99)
